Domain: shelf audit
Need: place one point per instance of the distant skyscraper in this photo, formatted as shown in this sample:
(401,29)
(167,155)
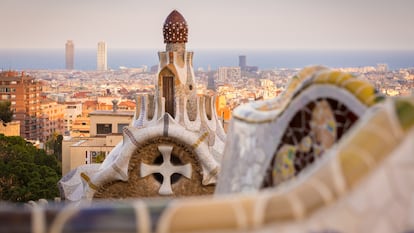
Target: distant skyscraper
(211,85)
(70,52)
(243,65)
(101,57)
(242,61)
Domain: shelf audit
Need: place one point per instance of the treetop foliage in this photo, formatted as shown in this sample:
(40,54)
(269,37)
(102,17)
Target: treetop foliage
(6,114)
(26,173)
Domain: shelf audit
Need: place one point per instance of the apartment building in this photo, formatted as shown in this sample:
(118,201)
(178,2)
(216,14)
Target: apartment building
(23,91)
(105,132)
(51,119)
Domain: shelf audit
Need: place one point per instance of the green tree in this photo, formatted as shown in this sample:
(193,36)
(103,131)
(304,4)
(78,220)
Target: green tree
(6,114)
(54,145)
(26,173)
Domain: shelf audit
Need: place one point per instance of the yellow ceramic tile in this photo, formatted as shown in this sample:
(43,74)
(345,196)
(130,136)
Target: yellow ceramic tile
(278,209)
(367,146)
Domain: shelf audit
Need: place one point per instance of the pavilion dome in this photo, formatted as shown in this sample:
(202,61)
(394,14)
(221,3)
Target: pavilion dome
(175,28)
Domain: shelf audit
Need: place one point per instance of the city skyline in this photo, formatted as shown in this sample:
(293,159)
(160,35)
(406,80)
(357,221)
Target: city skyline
(320,24)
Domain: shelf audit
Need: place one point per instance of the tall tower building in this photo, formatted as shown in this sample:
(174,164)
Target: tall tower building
(70,52)
(243,65)
(242,61)
(211,84)
(101,57)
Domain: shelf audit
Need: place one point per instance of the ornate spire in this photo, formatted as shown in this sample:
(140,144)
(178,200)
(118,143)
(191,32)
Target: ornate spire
(175,28)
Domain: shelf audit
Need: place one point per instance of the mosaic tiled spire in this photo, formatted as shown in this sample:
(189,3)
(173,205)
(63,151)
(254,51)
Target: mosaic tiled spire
(175,28)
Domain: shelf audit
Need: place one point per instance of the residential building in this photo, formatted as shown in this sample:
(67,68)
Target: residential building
(23,91)
(105,132)
(104,122)
(81,127)
(72,111)
(51,119)
(80,151)
(227,73)
(127,105)
(89,106)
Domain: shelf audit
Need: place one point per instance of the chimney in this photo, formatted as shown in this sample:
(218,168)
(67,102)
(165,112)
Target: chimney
(114,105)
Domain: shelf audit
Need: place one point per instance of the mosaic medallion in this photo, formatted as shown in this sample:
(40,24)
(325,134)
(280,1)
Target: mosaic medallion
(312,130)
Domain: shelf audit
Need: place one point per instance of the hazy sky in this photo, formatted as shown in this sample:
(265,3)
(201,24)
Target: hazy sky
(278,24)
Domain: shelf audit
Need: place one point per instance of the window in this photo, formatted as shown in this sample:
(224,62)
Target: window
(95,156)
(5,89)
(103,128)
(121,127)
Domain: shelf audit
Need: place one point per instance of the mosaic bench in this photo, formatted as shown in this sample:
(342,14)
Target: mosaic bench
(272,141)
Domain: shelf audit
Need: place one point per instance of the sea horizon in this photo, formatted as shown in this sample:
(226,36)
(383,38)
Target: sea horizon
(265,59)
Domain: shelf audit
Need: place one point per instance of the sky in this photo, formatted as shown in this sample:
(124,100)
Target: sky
(213,24)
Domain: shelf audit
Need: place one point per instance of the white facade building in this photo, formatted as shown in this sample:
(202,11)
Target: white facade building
(226,73)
